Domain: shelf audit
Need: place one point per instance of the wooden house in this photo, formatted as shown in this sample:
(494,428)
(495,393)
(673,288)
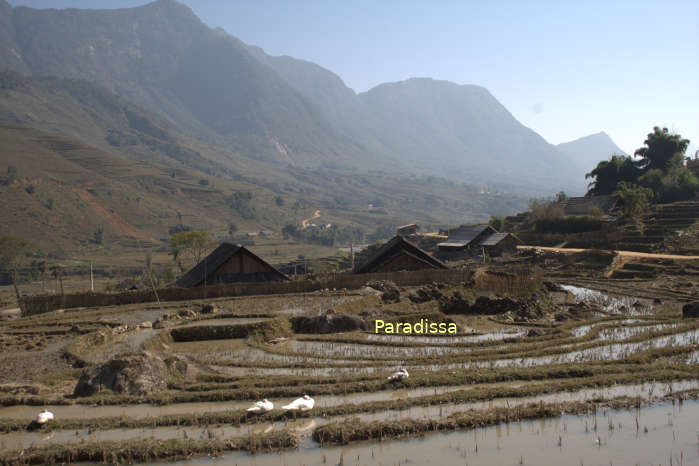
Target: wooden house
(396,255)
(498,244)
(230,263)
(461,239)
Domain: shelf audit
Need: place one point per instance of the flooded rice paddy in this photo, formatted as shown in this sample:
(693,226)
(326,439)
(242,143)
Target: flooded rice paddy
(346,374)
(666,435)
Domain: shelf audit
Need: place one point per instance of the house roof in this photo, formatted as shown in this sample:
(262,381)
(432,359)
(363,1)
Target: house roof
(453,244)
(394,247)
(496,238)
(467,232)
(582,205)
(213,261)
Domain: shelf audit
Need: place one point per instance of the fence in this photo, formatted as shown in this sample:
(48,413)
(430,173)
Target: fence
(31,305)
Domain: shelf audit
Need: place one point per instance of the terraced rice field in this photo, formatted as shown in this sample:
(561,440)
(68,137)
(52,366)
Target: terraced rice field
(617,386)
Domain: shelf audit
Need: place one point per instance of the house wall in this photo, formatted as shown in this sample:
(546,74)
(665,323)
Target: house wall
(243,267)
(402,262)
(507,246)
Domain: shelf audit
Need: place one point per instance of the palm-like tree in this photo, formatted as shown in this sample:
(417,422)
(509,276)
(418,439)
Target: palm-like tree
(663,150)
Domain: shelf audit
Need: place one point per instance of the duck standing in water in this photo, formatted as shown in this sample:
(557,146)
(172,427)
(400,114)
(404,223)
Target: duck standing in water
(305,403)
(40,421)
(261,407)
(400,375)
(44,417)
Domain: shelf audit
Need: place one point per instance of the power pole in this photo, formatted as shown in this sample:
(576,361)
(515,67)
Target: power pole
(92,279)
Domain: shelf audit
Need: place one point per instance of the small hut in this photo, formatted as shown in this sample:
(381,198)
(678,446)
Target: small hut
(399,254)
(230,263)
(461,239)
(498,244)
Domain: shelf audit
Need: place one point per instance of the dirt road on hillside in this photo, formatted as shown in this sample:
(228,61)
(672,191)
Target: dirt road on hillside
(304,223)
(645,255)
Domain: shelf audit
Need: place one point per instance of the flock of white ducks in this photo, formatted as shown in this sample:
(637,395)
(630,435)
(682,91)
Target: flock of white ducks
(306,403)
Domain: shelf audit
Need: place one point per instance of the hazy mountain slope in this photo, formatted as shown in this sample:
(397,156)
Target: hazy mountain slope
(279,109)
(463,129)
(588,151)
(163,57)
(339,105)
(65,190)
(90,113)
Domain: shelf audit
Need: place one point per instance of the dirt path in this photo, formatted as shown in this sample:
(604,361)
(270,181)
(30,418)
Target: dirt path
(646,255)
(304,223)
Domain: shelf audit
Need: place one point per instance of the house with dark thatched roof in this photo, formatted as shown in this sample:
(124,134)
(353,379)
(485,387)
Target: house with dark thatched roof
(396,255)
(461,239)
(498,244)
(230,263)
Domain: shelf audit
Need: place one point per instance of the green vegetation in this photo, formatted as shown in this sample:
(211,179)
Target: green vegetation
(193,244)
(635,201)
(332,236)
(241,203)
(662,168)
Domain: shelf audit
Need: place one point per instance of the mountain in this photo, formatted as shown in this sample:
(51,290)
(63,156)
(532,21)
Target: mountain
(64,190)
(288,112)
(465,131)
(588,151)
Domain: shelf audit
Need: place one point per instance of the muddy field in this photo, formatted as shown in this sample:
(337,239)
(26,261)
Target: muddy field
(578,370)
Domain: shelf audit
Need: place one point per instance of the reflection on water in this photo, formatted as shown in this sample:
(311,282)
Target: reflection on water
(611,304)
(666,435)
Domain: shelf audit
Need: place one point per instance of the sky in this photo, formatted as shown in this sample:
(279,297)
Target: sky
(566,69)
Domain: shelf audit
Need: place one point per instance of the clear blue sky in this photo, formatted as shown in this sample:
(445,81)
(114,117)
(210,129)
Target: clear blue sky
(564,68)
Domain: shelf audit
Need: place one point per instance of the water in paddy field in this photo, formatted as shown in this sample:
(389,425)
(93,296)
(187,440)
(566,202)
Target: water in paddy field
(611,304)
(666,435)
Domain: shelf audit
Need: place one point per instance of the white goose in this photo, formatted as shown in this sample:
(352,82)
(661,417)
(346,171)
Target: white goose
(305,403)
(400,375)
(261,407)
(44,417)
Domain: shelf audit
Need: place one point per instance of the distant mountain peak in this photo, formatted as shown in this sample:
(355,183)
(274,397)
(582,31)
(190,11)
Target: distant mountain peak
(588,151)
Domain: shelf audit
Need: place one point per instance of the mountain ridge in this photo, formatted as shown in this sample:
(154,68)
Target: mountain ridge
(588,151)
(283,110)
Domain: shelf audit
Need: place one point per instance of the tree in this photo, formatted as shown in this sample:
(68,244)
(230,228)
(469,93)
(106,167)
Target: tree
(609,173)
(497,222)
(98,235)
(663,151)
(279,201)
(561,197)
(57,273)
(192,243)
(635,201)
(12,252)
(11,174)
(289,230)
(241,203)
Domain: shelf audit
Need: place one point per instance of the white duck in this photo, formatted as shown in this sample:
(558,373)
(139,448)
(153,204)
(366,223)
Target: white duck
(400,375)
(44,417)
(305,403)
(261,407)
